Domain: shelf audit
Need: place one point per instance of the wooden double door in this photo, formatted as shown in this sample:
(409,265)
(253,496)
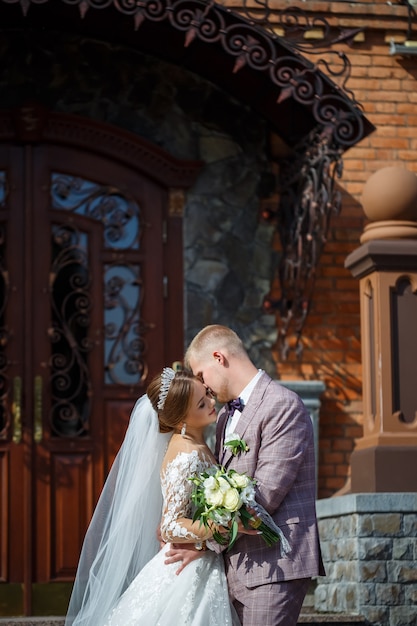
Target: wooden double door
(85,315)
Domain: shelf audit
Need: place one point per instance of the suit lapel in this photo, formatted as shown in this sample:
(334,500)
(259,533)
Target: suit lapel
(247,416)
(241,427)
(252,407)
(220,428)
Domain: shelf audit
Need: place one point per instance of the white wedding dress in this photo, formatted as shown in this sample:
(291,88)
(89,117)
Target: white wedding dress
(198,595)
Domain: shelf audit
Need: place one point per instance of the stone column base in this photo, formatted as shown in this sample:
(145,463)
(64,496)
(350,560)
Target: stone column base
(384,469)
(369,546)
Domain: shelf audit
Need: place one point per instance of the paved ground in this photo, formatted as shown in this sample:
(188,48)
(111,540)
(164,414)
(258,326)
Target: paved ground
(310,618)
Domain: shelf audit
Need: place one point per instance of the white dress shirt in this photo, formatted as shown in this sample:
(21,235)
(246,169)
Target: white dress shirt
(244,396)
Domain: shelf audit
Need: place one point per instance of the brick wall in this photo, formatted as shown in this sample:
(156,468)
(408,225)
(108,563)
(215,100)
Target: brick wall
(386,86)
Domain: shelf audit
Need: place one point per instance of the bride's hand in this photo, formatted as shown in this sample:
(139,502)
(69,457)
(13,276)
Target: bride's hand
(184,552)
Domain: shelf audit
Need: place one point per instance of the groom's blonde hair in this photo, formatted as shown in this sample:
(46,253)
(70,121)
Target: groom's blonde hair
(211,338)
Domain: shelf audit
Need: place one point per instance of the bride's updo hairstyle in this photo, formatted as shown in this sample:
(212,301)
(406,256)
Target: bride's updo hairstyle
(177,400)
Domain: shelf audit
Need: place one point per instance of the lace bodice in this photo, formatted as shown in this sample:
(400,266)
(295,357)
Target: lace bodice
(158,596)
(176,489)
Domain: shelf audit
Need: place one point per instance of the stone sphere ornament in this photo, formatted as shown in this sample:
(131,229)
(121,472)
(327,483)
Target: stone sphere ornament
(389,201)
(390,194)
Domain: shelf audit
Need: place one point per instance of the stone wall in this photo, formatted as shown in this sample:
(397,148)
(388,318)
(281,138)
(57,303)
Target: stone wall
(369,544)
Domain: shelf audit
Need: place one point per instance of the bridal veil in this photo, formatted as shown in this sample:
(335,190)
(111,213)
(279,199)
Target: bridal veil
(121,537)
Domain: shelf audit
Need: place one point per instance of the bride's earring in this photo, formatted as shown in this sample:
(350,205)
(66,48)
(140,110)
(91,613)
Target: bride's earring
(183,429)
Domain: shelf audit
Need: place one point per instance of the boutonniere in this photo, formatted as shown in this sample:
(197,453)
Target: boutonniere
(235,443)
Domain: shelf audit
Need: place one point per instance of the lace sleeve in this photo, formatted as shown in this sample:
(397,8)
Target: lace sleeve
(177,521)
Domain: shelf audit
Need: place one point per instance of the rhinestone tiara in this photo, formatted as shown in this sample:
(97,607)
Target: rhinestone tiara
(167,377)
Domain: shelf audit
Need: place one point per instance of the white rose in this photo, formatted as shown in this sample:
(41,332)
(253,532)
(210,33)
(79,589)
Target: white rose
(224,484)
(214,497)
(210,483)
(232,501)
(231,437)
(241,481)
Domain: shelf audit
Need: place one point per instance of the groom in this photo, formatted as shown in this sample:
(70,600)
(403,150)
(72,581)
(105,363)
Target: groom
(266,587)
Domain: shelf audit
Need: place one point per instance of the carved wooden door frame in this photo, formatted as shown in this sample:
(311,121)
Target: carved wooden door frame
(29,134)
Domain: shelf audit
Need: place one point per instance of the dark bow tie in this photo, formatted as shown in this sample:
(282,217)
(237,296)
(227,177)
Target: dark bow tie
(233,405)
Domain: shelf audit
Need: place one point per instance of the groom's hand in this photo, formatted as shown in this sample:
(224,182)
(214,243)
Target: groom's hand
(251,525)
(249,531)
(184,552)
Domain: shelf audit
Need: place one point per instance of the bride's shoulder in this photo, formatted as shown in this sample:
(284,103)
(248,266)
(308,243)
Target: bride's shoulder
(189,458)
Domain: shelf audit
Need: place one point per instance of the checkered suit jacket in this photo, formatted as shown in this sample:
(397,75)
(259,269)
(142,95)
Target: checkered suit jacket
(278,430)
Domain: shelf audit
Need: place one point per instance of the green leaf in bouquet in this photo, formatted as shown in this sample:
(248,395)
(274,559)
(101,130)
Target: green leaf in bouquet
(219,538)
(245,516)
(233,534)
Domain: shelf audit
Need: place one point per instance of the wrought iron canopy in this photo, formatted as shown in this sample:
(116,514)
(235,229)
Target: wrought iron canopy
(241,55)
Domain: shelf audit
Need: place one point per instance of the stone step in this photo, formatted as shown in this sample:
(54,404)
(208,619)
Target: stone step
(306,617)
(331,619)
(32,621)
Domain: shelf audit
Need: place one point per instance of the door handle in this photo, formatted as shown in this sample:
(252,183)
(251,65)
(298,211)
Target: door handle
(37,393)
(17,409)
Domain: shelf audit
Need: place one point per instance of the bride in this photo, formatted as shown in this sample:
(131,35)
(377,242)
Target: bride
(122,579)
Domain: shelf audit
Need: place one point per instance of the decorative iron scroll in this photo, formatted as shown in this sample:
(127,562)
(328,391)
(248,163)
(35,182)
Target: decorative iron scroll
(124,330)
(297,26)
(247,34)
(120,216)
(308,198)
(118,213)
(4,334)
(70,302)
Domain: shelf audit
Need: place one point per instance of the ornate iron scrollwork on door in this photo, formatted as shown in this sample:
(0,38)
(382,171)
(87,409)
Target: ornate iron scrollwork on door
(118,213)
(71,279)
(124,344)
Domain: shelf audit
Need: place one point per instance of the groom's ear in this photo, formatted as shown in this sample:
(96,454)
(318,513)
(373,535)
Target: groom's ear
(219,357)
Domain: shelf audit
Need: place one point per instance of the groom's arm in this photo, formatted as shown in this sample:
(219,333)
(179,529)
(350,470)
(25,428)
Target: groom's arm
(287,438)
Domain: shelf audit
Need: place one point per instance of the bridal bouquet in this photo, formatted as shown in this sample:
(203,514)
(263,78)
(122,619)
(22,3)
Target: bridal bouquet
(222,496)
